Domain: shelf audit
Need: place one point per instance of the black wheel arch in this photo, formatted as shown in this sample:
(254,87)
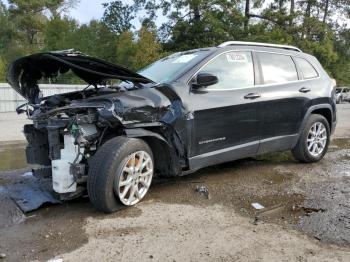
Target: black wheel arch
(166,158)
(325,110)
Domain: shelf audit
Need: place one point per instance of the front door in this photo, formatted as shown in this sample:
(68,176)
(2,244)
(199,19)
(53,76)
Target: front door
(225,122)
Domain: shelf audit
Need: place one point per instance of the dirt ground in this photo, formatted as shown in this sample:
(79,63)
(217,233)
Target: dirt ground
(306,215)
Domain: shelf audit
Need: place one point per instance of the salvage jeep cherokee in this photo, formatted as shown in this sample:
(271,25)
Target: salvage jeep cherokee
(184,112)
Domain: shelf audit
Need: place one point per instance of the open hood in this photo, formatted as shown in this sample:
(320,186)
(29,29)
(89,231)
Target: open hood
(24,73)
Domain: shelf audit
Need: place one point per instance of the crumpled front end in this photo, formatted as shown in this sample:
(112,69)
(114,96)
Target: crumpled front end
(69,128)
(62,140)
(62,147)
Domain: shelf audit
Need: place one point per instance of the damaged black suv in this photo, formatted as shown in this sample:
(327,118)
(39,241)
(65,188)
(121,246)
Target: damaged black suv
(184,112)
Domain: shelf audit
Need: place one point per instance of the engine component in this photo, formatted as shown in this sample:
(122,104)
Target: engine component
(86,119)
(78,171)
(88,131)
(62,179)
(54,143)
(84,133)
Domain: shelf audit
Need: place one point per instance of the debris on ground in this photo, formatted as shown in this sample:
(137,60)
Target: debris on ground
(55,260)
(27,174)
(10,213)
(203,190)
(257,206)
(31,193)
(309,210)
(256,221)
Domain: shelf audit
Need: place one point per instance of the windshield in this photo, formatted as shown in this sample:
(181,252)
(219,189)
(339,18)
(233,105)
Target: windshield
(169,68)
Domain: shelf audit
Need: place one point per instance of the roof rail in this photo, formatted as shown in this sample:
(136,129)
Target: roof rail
(288,47)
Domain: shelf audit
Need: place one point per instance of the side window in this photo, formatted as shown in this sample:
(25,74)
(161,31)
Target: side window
(233,69)
(306,68)
(277,68)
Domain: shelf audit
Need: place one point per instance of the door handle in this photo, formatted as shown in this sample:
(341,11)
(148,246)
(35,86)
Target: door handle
(304,90)
(252,96)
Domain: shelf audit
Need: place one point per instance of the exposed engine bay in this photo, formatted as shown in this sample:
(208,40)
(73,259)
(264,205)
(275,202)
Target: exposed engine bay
(68,128)
(62,145)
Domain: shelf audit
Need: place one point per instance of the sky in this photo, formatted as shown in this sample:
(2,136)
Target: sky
(87,10)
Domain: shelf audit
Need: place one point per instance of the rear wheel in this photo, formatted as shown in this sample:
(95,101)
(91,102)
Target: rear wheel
(313,141)
(120,174)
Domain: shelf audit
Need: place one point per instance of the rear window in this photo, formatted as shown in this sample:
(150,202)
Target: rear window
(306,68)
(277,68)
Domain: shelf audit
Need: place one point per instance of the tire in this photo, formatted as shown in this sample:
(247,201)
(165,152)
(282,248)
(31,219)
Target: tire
(301,150)
(107,169)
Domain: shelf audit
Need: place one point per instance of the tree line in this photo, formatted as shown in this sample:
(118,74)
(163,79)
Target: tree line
(318,27)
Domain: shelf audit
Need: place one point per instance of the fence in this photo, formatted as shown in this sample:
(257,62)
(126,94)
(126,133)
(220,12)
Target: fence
(10,99)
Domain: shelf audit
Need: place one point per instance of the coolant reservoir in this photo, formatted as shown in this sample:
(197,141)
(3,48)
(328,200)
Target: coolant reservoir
(63,181)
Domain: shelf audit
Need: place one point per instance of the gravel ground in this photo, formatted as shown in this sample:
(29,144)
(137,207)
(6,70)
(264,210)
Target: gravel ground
(306,215)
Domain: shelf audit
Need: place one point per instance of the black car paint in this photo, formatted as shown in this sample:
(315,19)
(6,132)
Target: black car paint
(190,128)
(24,73)
(281,111)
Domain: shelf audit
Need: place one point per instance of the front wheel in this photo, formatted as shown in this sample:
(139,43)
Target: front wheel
(120,174)
(313,141)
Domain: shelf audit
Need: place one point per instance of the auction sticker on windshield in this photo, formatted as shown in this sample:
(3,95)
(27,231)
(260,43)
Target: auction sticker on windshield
(236,57)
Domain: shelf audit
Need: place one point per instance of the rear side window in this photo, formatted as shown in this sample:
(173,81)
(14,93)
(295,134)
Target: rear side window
(233,69)
(277,68)
(306,68)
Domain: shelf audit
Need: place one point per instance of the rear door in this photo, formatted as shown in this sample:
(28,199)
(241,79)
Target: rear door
(225,123)
(283,100)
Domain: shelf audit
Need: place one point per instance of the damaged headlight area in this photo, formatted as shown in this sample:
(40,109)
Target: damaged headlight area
(62,147)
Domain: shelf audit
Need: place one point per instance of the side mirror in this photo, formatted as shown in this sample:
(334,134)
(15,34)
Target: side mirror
(204,80)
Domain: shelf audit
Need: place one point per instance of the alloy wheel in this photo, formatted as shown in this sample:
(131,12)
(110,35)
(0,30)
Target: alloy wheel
(135,179)
(317,139)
